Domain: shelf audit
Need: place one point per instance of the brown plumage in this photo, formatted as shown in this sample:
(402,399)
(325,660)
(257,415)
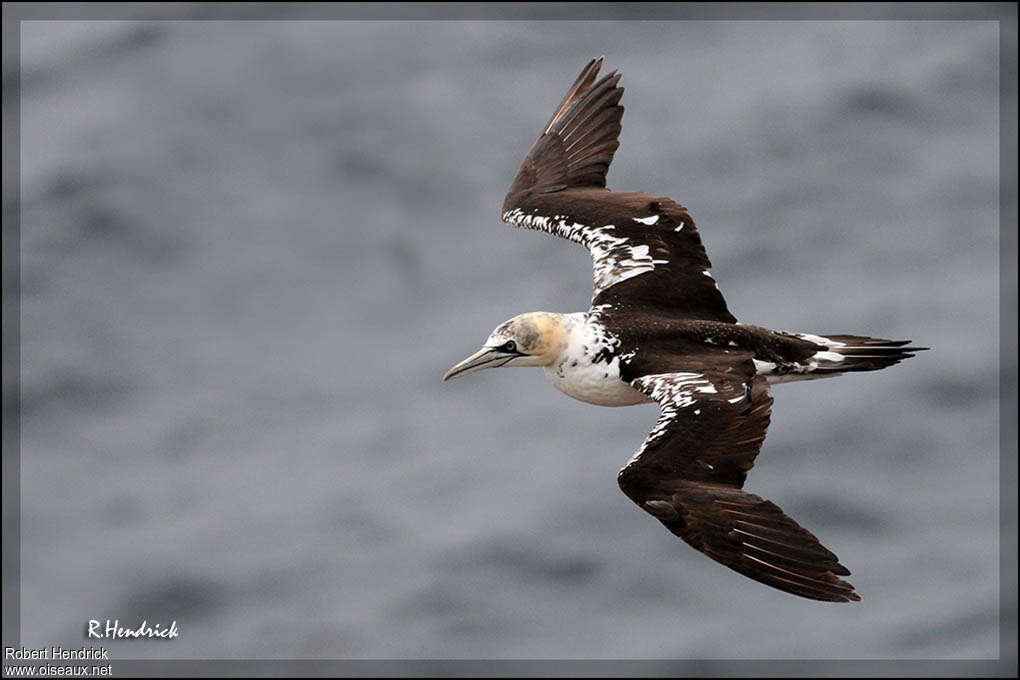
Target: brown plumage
(564,173)
(690,476)
(659,324)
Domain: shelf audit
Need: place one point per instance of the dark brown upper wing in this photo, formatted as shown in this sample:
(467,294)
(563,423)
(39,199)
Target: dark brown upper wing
(689,472)
(646,250)
(577,145)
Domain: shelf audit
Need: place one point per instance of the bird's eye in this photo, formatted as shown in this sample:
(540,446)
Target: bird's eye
(510,346)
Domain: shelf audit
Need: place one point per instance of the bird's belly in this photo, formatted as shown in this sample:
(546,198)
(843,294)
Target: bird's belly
(596,383)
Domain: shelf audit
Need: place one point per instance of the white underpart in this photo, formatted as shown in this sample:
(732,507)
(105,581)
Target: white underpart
(614,258)
(579,372)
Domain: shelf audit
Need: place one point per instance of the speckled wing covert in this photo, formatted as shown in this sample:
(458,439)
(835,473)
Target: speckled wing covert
(689,472)
(646,250)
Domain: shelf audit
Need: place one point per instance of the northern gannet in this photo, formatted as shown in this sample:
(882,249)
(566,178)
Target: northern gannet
(658,330)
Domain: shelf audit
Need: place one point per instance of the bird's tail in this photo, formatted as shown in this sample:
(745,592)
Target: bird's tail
(838,354)
(846,353)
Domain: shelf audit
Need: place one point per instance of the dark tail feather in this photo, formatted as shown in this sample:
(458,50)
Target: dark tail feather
(863,354)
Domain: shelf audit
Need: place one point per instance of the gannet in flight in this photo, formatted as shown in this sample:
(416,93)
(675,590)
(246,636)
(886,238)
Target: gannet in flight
(658,330)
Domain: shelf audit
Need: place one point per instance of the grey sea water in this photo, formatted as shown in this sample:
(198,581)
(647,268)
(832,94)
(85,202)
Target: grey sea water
(250,249)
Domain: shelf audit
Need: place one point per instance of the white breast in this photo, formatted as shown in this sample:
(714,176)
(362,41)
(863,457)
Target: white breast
(597,382)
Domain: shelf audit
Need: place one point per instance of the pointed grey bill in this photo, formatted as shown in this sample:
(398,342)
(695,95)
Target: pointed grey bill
(486,357)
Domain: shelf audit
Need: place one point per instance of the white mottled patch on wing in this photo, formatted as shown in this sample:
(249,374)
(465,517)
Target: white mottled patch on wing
(673,391)
(614,258)
(679,227)
(640,254)
(647,220)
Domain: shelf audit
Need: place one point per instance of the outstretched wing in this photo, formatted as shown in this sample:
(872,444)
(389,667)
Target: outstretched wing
(646,250)
(689,472)
(577,145)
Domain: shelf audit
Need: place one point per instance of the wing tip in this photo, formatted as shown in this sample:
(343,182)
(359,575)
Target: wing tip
(594,64)
(581,115)
(848,595)
(590,71)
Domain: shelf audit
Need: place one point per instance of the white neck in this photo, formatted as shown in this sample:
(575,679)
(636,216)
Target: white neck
(575,371)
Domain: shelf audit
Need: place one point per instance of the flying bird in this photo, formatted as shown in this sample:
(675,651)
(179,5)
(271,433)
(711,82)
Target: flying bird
(658,330)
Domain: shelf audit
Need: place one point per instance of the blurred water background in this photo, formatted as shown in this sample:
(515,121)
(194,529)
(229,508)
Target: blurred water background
(250,250)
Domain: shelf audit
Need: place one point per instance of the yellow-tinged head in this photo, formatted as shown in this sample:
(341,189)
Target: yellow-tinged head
(532,339)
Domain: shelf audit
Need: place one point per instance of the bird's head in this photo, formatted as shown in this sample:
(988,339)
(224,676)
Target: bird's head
(533,339)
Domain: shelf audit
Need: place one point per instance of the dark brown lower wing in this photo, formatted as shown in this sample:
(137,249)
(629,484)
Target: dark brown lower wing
(754,537)
(690,469)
